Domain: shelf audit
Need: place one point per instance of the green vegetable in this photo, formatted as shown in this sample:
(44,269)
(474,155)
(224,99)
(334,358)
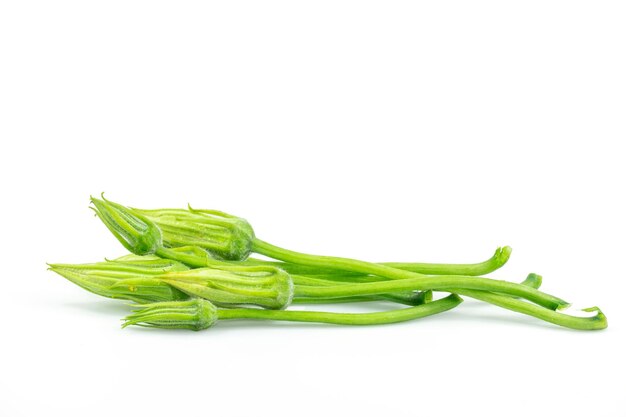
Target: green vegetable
(219,245)
(146,279)
(138,232)
(128,278)
(194,314)
(178,234)
(199,314)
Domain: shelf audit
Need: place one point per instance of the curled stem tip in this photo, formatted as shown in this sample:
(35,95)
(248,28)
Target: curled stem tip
(503,254)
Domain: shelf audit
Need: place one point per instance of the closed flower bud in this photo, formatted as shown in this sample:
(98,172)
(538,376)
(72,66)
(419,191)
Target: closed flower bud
(223,235)
(131,278)
(228,286)
(194,314)
(138,234)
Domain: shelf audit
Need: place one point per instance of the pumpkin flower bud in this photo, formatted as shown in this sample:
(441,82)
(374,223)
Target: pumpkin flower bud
(223,235)
(138,234)
(141,236)
(194,314)
(128,278)
(228,286)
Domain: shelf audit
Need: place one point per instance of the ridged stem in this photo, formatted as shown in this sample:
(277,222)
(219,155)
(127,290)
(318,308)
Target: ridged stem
(384,317)
(408,297)
(450,283)
(406,280)
(500,257)
(596,322)
(511,303)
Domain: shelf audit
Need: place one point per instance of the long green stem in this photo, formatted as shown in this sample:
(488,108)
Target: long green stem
(532,280)
(412,298)
(406,280)
(408,297)
(499,258)
(384,317)
(317,281)
(450,283)
(341,300)
(596,322)
(354,299)
(581,323)
(326,262)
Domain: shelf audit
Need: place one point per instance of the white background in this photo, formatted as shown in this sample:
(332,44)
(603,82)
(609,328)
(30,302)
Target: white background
(432,131)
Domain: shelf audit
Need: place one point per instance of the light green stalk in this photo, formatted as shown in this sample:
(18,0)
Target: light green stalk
(198,314)
(409,298)
(406,297)
(450,283)
(595,321)
(414,298)
(591,322)
(499,258)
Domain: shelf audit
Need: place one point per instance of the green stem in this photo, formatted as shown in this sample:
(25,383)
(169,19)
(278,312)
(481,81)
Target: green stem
(384,317)
(326,262)
(500,257)
(596,322)
(343,277)
(355,299)
(408,297)
(450,283)
(533,280)
(406,280)
(317,282)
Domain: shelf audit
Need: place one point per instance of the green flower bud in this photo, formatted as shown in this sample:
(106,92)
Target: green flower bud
(131,278)
(138,234)
(223,235)
(194,314)
(228,286)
